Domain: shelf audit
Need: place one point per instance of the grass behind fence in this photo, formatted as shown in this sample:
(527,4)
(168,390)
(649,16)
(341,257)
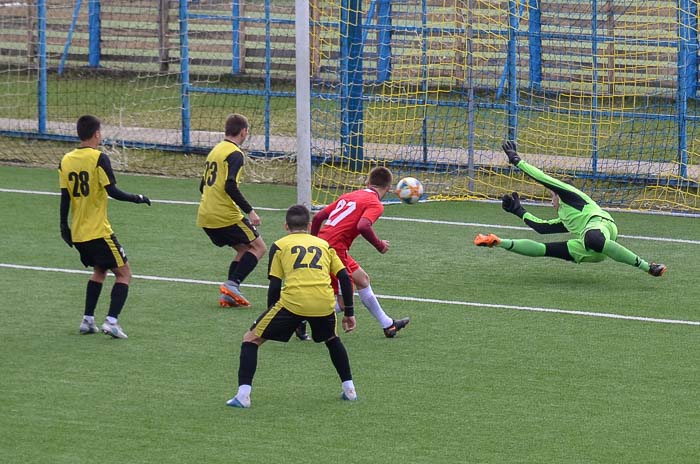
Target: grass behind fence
(132,100)
(460,384)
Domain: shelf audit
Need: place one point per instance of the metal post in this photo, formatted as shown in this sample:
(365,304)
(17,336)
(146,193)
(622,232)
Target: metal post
(163,29)
(95,28)
(594,90)
(303,103)
(352,126)
(512,70)
(236,33)
(184,74)
(685,80)
(42,97)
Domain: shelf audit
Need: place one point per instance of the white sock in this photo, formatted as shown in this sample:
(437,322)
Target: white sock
(89,319)
(347,385)
(243,390)
(111,320)
(370,301)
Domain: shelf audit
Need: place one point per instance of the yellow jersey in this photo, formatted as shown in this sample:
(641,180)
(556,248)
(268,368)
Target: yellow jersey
(304,263)
(85,172)
(216,208)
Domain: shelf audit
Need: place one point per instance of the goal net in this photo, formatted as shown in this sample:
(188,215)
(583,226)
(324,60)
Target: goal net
(601,93)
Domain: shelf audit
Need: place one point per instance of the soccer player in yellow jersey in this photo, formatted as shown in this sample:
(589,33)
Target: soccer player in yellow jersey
(304,263)
(223,208)
(86,178)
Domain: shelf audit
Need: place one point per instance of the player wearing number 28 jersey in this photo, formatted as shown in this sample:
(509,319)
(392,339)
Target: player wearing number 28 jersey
(86,178)
(351,215)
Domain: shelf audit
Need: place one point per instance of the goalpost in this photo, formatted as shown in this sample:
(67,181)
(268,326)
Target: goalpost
(303,103)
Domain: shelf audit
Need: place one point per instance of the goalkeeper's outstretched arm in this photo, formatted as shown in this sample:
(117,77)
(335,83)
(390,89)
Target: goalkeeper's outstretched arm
(542,226)
(511,204)
(568,193)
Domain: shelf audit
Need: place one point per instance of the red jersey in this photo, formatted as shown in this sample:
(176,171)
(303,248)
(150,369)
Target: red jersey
(345,213)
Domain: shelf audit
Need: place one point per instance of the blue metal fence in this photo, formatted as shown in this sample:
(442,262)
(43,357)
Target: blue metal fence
(350,72)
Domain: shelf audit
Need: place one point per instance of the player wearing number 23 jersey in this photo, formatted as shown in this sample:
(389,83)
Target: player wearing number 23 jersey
(223,209)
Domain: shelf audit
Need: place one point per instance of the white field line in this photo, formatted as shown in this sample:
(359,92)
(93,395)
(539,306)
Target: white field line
(388,218)
(391,297)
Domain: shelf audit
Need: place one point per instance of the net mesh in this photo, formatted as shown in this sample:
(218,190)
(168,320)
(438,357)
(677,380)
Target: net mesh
(601,93)
(596,98)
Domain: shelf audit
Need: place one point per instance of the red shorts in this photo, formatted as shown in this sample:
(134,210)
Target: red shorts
(350,266)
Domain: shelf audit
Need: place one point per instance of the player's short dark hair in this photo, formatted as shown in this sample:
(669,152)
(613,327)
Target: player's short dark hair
(298,217)
(235,123)
(87,126)
(380,177)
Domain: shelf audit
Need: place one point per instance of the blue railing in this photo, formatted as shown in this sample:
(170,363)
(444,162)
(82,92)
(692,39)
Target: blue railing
(350,96)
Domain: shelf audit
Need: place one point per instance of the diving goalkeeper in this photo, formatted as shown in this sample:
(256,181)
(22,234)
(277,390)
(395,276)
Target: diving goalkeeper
(594,228)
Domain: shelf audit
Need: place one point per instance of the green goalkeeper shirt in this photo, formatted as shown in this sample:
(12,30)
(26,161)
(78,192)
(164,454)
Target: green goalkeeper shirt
(575,207)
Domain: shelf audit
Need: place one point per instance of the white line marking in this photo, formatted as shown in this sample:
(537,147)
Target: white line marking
(390,297)
(390,218)
(167,202)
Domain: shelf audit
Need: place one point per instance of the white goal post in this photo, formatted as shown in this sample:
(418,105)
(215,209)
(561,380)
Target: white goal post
(303,103)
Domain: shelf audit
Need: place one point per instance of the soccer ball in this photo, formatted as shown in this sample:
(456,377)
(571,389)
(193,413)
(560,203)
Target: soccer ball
(409,190)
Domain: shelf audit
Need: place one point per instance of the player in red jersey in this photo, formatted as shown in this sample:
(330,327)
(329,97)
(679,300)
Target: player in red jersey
(349,216)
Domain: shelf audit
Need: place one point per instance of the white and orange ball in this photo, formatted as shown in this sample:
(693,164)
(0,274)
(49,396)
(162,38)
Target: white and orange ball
(409,190)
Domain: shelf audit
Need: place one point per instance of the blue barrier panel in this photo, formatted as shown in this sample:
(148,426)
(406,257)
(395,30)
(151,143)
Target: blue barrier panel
(184,74)
(41,81)
(351,131)
(384,34)
(69,37)
(95,28)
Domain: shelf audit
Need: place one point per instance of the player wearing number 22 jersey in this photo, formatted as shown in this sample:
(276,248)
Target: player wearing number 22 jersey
(304,263)
(351,215)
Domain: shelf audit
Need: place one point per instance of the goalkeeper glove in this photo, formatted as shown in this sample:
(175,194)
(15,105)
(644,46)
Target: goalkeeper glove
(66,235)
(142,199)
(511,152)
(511,204)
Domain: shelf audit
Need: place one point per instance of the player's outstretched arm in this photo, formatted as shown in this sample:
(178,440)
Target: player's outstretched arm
(120,195)
(544,226)
(511,204)
(112,189)
(536,174)
(364,227)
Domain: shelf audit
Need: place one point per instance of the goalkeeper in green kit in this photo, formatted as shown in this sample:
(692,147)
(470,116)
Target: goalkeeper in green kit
(594,228)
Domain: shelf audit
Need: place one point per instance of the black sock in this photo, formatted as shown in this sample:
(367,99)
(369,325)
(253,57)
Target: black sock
(248,363)
(232,269)
(339,357)
(119,293)
(92,294)
(245,266)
